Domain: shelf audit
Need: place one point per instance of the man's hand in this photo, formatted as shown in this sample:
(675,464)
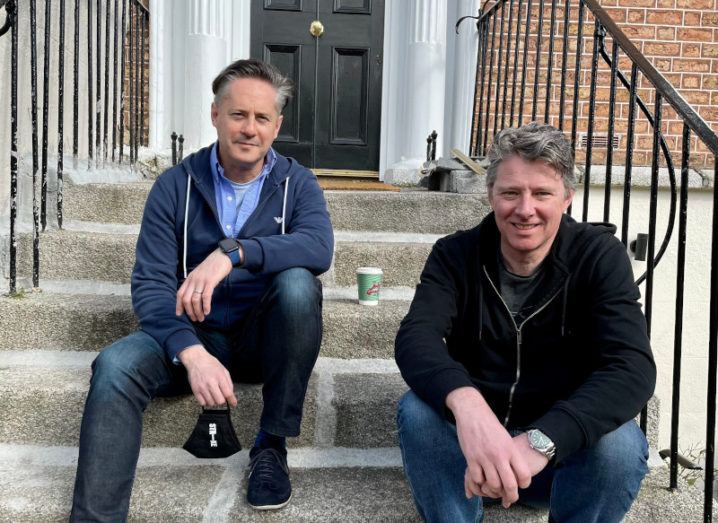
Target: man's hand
(495,468)
(210,380)
(534,459)
(194,297)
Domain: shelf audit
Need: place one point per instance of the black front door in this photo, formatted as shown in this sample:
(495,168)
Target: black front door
(333,121)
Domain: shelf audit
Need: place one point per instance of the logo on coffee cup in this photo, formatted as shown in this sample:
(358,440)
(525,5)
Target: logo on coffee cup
(373,290)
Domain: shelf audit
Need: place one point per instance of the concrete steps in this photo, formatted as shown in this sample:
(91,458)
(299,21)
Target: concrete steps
(348,485)
(349,403)
(109,255)
(408,210)
(90,322)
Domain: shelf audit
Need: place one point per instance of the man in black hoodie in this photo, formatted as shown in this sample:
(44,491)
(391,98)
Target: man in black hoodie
(526,352)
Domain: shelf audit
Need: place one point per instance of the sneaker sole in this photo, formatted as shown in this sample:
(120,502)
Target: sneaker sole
(271,507)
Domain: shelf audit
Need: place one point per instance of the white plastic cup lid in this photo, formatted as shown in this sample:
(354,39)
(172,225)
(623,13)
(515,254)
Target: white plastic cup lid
(369,270)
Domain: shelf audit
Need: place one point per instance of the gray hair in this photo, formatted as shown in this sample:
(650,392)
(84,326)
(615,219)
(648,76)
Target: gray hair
(254,69)
(533,142)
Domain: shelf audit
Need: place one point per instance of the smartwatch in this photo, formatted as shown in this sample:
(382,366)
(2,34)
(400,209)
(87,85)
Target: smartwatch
(230,247)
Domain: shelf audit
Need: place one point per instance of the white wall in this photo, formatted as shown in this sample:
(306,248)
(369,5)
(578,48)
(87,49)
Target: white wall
(696,302)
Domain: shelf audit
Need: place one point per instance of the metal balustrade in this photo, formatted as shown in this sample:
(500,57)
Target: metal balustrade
(514,91)
(125,23)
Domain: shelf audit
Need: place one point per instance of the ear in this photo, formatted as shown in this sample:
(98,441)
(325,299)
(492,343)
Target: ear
(568,200)
(280,119)
(215,114)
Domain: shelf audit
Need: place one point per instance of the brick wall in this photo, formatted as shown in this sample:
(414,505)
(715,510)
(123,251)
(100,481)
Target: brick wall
(679,37)
(138,67)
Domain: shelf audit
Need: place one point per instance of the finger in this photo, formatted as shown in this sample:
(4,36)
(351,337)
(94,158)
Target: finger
(197,305)
(200,397)
(227,389)
(207,299)
(218,398)
(493,481)
(521,471)
(476,473)
(508,481)
(471,488)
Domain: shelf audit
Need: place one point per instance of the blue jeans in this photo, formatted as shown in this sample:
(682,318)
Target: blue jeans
(276,344)
(591,485)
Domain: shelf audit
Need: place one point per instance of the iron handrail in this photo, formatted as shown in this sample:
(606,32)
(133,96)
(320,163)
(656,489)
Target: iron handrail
(694,121)
(666,154)
(9,9)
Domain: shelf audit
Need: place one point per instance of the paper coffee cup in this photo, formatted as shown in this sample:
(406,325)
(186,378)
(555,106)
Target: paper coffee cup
(369,284)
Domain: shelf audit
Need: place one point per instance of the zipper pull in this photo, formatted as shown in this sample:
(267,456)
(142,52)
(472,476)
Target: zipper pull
(519,337)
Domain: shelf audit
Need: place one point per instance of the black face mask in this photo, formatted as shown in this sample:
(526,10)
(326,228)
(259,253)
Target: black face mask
(213,436)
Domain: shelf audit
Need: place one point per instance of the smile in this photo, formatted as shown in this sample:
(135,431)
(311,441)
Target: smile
(525,226)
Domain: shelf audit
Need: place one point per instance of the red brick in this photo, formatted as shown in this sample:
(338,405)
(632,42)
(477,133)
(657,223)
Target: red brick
(714,98)
(691,50)
(710,50)
(638,32)
(691,81)
(665,33)
(710,20)
(637,3)
(668,4)
(691,65)
(700,35)
(697,97)
(661,49)
(692,19)
(710,82)
(662,17)
(662,64)
(675,79)
(636,16)
(694,4)
(617,14)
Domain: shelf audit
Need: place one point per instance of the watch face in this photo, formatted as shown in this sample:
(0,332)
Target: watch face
(228,245)
(539,440)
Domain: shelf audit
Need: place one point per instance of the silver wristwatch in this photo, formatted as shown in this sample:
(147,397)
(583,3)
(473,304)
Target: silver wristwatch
(540,442)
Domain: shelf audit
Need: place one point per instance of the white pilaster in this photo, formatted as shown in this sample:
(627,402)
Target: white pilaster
(460,77)
(192,41)
(415,85)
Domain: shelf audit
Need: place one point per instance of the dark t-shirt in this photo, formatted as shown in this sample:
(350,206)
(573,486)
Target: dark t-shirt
(516,289)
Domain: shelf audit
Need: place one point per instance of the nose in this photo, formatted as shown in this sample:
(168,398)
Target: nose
(525,206)
(249,128)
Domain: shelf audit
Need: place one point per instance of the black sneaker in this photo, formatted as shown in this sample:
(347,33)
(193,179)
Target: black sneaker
(268,485)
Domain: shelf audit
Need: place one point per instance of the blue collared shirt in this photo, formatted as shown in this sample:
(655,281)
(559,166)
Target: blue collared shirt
(232,218)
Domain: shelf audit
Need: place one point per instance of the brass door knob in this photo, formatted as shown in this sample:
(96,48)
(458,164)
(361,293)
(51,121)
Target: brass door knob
(316,29)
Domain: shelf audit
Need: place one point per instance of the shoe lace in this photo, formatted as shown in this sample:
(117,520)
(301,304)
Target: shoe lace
(264,464)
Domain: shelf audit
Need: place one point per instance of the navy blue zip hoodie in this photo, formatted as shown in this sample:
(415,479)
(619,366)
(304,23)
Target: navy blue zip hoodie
(168,248)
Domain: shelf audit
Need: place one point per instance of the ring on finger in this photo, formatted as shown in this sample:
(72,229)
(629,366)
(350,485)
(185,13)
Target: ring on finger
(197,291)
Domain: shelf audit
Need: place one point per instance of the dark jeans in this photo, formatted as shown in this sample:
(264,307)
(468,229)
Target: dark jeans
(592,485)
(277,344)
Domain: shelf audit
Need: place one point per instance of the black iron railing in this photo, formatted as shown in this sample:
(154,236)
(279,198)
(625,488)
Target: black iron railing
(125,23)
(502,99)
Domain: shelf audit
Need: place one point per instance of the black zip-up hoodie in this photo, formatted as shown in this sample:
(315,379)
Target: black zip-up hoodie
(577,368)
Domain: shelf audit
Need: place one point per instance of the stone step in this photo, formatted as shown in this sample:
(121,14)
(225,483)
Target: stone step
(348,485)
(408,210)
(348,403)
(90,322)
(107,255)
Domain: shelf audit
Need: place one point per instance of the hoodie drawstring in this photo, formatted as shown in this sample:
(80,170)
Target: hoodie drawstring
(284,202)
(564,305)
(184,238)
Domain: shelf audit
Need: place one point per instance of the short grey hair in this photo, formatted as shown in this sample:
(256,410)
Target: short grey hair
(533,142)
(254,69)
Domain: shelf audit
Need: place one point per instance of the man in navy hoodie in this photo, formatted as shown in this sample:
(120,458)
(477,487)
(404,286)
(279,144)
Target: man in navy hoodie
(225,289)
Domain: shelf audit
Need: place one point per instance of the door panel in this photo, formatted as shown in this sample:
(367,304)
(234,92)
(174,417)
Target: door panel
(334,119)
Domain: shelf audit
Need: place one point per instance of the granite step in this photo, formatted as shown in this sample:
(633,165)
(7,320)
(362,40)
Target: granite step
(109,255)
(90,322)
(349,403)
(408,210)
(348,485)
